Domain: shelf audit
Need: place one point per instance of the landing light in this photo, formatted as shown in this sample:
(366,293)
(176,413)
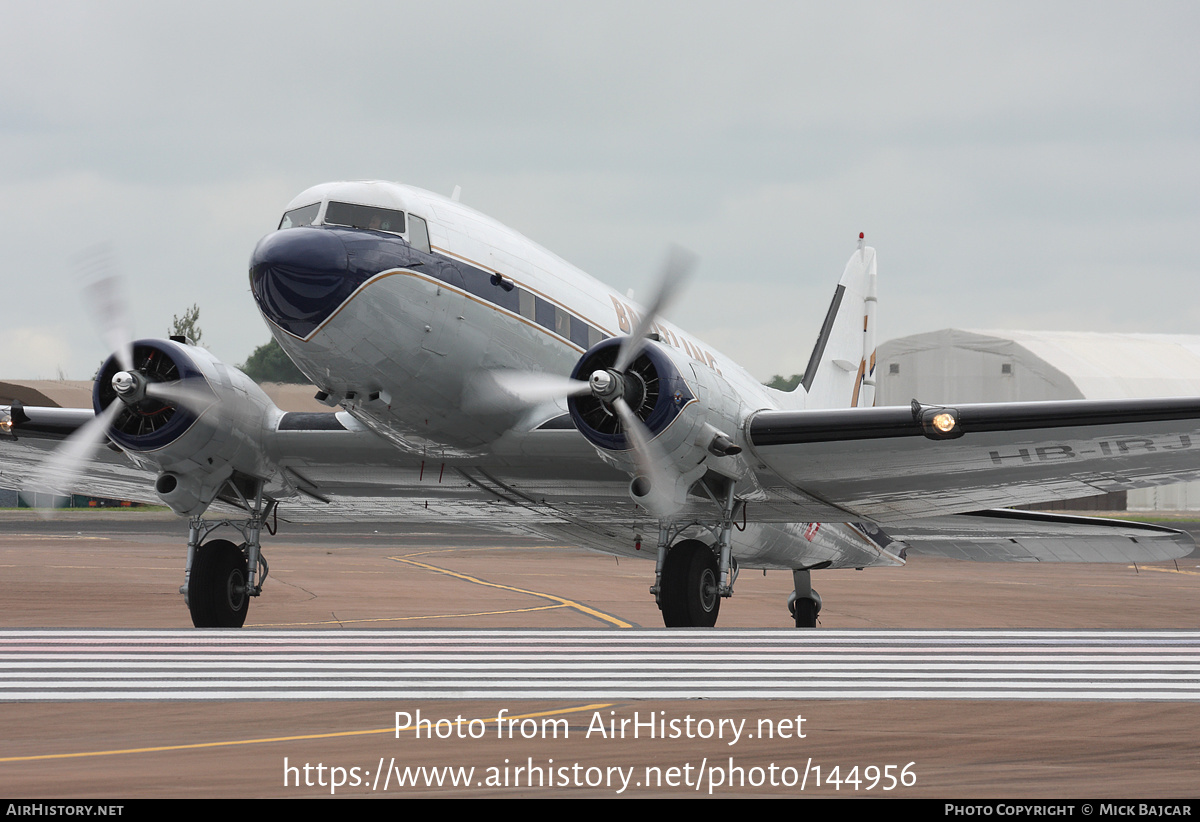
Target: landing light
(937,423)
(944,422)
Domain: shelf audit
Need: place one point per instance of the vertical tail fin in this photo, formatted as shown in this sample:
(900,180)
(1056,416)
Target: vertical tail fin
(841,369)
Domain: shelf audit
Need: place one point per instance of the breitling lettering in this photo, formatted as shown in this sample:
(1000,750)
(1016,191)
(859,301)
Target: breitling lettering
(627,318)
(622,316)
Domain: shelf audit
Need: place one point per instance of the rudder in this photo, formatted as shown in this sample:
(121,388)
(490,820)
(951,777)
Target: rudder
(841,368)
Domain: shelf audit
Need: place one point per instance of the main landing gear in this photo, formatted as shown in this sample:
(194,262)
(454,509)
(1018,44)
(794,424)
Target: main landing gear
(691,577)
(222,576)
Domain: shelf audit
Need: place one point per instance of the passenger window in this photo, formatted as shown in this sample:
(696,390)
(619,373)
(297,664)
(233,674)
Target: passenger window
(562,323)
(579,332)
(527,306)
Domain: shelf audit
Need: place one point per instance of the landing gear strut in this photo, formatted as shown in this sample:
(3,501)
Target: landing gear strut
(692,577)
(221,576)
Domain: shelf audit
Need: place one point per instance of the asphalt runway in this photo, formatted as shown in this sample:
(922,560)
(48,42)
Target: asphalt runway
(122,571)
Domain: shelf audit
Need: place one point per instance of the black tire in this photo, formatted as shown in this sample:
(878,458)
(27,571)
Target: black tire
(690,586)
(805,613)
(217,595)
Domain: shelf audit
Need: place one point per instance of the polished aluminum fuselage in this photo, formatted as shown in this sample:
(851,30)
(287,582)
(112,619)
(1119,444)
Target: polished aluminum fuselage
(405,336)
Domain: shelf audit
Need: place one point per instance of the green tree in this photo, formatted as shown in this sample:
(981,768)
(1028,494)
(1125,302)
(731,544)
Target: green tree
(268,363)
(187,326)
(784,384)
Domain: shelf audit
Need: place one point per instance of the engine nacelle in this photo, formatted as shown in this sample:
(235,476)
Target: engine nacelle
(213,424)
(692,413)
(181,492)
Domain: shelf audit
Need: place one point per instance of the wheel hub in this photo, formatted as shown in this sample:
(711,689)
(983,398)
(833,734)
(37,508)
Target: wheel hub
(709,590)
(235,590)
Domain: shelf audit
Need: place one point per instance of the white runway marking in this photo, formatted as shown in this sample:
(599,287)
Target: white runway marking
(63,665)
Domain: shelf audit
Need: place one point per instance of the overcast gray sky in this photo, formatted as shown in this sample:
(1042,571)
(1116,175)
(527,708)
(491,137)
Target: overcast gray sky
(1016,165)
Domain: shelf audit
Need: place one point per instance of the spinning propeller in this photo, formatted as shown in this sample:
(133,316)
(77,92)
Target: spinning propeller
(144,392)
(620,389)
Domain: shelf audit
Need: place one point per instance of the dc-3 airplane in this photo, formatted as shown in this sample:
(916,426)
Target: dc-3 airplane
(446,339)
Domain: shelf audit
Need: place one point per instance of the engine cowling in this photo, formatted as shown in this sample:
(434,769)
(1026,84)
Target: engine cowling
(214,423)
(690,411)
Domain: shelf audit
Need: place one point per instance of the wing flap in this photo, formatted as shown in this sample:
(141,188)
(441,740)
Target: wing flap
(1029,536)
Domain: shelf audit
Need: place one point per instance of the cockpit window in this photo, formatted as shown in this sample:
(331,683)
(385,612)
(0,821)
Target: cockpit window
(300,216)
(361,216)
(418,233)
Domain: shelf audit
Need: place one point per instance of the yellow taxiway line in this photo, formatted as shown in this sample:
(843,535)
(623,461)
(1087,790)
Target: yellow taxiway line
(609,618)
(264,740)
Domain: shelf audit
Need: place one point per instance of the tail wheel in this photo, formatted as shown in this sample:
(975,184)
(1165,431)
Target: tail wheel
(217,595)
(691,596)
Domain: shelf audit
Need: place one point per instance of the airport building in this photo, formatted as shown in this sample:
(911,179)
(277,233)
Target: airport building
(957,366)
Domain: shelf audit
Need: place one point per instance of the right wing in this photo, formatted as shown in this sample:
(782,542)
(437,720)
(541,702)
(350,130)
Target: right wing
(884,464)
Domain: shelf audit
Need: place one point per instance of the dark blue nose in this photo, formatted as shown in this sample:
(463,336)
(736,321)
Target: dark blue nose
(299,277)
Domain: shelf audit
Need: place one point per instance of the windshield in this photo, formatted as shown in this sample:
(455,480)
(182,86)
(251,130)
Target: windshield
(361,216)
(300,216)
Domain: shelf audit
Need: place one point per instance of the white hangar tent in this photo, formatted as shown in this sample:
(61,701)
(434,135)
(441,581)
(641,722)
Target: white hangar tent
(956,366)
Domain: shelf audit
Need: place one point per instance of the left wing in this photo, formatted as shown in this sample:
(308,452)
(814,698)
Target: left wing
(894,464)
(327,466)
(34,433)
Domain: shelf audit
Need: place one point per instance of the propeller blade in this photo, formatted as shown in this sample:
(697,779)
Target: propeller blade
(679,265)
(60,471)
(103,287)
(652,463)
(496,391)
(194,398)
